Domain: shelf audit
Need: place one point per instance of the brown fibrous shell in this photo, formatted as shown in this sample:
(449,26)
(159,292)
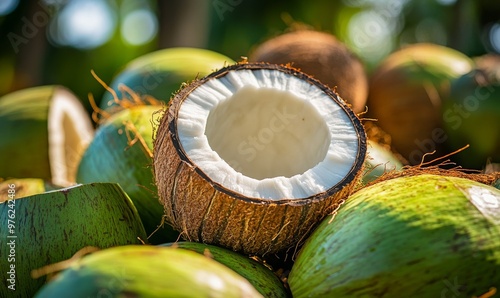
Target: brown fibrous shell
(205,211)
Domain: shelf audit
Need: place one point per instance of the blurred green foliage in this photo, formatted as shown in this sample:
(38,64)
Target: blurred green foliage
(371,28)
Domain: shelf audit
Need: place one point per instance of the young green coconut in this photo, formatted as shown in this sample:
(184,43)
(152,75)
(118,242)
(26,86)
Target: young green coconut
(412,236)
(156,76)
(262,278)
(44,133)
(50,227)
(148,271)
(252,156)
(121,152)
(471,115)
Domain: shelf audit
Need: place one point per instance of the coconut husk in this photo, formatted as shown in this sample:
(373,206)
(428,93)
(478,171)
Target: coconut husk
(322,56)
(442,168)
(224,217)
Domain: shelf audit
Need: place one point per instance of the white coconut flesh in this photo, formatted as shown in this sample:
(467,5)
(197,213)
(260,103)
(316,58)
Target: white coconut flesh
(70,132)
(267,134)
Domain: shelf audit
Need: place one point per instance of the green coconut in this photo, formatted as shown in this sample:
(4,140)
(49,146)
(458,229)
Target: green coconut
(261,277)
(379,161)
(148,271)
(417,236)
(406,92)
(470,117)
(47,228)
(160,74)
(121,152)
(496,184)
(44,133)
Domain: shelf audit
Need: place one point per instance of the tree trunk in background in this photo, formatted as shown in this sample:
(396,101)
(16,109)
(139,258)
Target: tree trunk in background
(30,53)
(466,32)
(183,23)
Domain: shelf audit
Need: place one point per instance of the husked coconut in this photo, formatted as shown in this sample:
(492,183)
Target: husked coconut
(252,156)
(323,56)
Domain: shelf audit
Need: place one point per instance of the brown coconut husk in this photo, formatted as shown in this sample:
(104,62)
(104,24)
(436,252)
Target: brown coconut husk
(442,167)
(322,56)
(204,211)
(408,105)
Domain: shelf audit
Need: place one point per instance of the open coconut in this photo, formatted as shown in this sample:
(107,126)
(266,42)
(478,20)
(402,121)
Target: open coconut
(252,156)
(44,133)
(323,56)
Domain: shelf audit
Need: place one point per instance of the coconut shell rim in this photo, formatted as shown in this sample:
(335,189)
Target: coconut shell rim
(177,100)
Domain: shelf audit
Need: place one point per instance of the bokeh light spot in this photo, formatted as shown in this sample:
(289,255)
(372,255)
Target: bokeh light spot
(139,27)
(7,6)
(370,35)
(84,24)
(495,37)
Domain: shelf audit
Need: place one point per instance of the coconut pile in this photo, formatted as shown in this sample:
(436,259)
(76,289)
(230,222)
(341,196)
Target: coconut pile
(292,173)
